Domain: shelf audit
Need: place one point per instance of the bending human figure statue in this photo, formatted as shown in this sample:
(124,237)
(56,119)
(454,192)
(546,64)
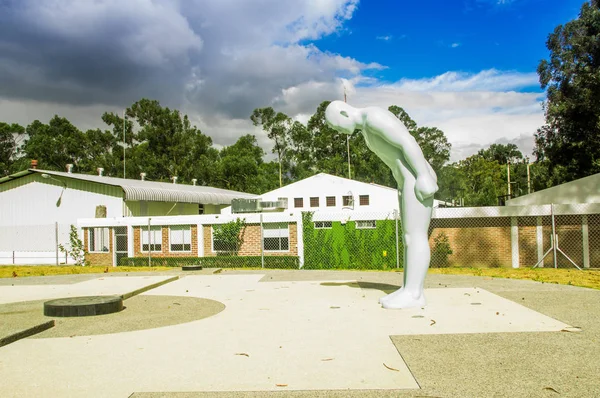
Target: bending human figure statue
(389,139)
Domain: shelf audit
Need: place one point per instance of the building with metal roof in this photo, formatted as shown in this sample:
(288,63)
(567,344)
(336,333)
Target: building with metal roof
(34,202)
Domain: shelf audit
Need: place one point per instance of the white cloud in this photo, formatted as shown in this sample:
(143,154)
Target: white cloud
(217,60)
(454,45)
(384,38)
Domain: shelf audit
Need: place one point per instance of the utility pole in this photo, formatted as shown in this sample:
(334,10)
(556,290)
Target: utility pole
(347,142)
(508,173)
(528,178)
(124,144)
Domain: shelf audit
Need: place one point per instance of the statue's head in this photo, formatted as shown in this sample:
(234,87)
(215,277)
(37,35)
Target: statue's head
(341,117)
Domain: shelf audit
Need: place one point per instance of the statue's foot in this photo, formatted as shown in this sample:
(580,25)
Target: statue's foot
(402,299)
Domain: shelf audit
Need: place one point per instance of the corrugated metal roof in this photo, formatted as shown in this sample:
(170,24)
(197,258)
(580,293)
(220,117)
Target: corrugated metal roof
(150,190)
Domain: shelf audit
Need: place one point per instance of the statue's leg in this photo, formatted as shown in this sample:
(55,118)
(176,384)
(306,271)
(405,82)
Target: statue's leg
(415,224)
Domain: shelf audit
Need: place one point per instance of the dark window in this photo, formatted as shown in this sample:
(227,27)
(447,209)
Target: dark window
(347,201)
(153,240)
(330,201)
(298,202)
(366,224)
(180,238)
(99,240)
(323,224)
(276,237)
(364,200)
(200,209)
(314,202)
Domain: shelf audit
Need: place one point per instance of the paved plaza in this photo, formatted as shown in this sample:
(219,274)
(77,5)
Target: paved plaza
(301,333)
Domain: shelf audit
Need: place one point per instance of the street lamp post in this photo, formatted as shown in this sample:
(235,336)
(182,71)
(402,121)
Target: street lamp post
(58,202)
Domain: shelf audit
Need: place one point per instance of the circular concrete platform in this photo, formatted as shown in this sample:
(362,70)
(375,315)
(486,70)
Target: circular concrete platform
(83,306)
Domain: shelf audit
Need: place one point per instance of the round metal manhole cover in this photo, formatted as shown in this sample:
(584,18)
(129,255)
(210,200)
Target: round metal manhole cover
(83,306)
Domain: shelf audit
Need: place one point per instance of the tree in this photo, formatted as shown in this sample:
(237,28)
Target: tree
(10,135)
(570,139)
(502,153)
(277,125)
(433,141)
(162,143)
(241,167)
(55,144)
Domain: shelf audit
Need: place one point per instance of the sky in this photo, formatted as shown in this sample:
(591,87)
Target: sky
(467,67)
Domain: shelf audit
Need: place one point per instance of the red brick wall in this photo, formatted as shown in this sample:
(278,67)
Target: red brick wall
(475,242)
(165,247)
(252,243)
(102,259)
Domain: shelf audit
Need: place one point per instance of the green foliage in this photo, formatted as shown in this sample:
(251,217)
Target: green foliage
(229,237)
(277,126)
(441,251)
(271,262)
(10,135)
(75,249)
(345,247)
(570,139)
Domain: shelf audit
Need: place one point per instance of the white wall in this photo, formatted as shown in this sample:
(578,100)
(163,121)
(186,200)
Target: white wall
(583,190)
(28,213)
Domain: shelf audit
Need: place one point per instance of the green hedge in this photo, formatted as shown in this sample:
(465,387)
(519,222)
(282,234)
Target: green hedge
(275,262)
(345,247)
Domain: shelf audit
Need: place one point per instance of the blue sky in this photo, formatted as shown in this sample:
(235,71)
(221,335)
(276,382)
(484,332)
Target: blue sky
(467,67)
(416,39)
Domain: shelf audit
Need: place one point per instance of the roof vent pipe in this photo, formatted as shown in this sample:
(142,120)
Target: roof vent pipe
(174,178)
(34,164)
(100,171)
(143,176)
(194,181)
(69,168)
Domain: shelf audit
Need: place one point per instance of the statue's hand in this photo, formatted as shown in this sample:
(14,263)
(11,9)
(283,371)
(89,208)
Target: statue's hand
(425,186)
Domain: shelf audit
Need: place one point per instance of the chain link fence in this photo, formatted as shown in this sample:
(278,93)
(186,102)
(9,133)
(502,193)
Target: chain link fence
(562,236)
(35,245)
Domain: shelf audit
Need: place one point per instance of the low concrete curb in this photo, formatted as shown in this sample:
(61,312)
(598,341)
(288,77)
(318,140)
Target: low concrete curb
(11,338)
(149,287)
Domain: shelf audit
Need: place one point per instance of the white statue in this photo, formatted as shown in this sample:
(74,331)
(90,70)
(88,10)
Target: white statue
(389,139)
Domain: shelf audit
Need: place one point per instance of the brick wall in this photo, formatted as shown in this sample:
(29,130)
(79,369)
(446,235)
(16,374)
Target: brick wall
(528,251)
(165,247)
(102,259)
(252,243)
(475,242)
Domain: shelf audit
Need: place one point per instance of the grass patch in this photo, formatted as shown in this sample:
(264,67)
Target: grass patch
(572,277)
(43,270)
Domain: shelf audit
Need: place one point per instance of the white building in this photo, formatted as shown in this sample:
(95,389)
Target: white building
(33,202)
(583,190)
(327,193)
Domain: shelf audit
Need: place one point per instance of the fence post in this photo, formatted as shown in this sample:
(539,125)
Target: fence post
(539,238)
(585,239)
(56,240)
(300,241)
(514,241)
(262,243)
(554,240)
(149,244)
(397,245)
(13,257)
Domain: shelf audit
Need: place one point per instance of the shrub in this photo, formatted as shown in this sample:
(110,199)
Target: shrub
(441,250)
(75,248)
(273,262)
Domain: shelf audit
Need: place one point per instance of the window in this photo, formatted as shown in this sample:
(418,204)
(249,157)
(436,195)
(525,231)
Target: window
(364,200)
(99,240)
(151,241)
(200,209)
(323,224)
(347,201)
(298,202)
(314,202)
(366,224)
(276,237)
(330,201)
(180,238)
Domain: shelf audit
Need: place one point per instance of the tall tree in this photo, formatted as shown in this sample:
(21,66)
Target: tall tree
(433,141)
(55,144)
(278,126)
(502,153)
(570,139)
(241,167)
(10,137)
